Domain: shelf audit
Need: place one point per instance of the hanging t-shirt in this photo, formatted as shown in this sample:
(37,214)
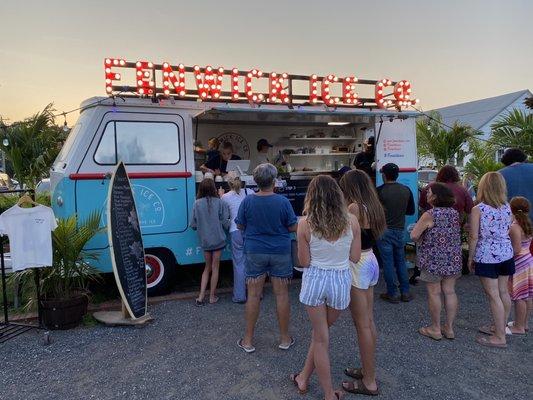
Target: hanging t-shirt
(30,235)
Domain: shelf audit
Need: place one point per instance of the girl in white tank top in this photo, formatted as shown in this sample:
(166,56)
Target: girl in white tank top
(331,255)
(326,279)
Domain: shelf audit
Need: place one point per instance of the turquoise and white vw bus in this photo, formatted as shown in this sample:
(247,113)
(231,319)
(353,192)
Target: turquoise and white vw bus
(157,136)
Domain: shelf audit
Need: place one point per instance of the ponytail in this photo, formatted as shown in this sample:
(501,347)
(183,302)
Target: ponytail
(520,208)
(525,223)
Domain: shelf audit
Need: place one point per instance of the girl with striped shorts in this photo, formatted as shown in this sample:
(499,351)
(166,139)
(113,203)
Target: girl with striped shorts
(328,239)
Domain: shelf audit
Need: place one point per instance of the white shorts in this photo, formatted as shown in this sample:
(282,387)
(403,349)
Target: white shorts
(329,286)
(366,272)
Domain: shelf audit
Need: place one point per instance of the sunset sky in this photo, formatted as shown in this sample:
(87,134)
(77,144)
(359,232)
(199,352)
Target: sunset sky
(452,51)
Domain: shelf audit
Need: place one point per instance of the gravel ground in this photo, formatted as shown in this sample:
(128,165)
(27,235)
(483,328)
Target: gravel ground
(191,353)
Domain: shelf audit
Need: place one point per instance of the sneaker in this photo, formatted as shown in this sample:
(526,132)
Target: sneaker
(389,298)
(407,297)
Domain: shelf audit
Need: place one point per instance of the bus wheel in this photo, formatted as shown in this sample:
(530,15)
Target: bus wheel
(160,267)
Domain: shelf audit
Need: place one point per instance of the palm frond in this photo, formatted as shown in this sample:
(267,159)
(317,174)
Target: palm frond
(514,129)
(441,143)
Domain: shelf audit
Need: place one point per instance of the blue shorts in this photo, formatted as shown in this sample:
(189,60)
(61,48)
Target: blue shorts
(273,265)
(329,286)
(493,271)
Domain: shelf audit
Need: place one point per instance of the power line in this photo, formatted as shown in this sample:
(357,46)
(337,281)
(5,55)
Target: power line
(64,113)
(446,125)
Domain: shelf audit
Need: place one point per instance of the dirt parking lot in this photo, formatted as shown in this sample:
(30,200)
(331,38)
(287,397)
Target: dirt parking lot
(191,353)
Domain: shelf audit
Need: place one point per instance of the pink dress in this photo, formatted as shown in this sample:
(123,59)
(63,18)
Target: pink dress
(521,283)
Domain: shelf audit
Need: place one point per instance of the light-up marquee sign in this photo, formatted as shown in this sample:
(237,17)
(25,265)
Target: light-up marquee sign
(219,84)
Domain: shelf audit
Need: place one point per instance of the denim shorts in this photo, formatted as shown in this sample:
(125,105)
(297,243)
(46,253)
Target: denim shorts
(329,286)
(493,271)
(273,265)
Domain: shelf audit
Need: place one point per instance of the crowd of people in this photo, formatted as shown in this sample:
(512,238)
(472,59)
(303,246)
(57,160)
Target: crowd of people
(345,225)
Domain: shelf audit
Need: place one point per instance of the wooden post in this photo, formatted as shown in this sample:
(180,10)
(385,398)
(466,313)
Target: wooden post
(125,313)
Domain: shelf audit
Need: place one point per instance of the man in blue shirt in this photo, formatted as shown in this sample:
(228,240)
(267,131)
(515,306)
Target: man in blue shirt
(518,175)
(267,220)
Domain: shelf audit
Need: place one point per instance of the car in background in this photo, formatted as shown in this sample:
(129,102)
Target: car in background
(426,176)
(43,186)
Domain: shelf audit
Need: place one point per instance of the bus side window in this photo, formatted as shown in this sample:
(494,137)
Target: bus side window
(139,143)
(106,153)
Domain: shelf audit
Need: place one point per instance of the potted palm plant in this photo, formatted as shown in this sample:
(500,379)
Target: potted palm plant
(64,285)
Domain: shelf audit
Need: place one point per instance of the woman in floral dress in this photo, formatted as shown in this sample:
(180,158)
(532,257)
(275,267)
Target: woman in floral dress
(438,233)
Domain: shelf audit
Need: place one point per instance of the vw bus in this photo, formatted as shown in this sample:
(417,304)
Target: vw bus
(157,136)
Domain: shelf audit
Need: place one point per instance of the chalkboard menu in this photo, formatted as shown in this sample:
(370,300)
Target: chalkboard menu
(125,241)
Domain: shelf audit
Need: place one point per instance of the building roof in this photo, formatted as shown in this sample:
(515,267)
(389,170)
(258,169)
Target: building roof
(479,112)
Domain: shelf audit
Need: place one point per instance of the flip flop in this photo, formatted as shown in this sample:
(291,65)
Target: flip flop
(359,389)
(246,349)
(482,340)
(199,303)
(215,301)
(425,332)
(511,324)
(287,346)
(488,330)
(355,373)
(446,335)
(293,377)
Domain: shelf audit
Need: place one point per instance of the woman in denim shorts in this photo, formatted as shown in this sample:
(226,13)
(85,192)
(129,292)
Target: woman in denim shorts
(267,220)
(328,238)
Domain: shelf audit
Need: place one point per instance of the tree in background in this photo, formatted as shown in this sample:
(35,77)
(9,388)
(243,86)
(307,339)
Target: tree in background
(482,160)
(514,130)
(32,146)
(439,142)
(529,102)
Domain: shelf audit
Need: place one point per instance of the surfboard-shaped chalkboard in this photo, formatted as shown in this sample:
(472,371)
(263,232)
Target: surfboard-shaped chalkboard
(126,245)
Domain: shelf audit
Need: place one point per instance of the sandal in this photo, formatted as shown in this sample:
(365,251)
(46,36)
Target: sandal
(486,330)
(489,330)
(337,395)
(199,303)
(215,300)
(293,377)
(484,341)
(424,331)
(511,325)
(287,346)
(359,389)
(355,373)
(246,349)
(447,334)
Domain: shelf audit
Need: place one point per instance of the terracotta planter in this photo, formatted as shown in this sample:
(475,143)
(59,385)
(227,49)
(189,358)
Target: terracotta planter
(64,313)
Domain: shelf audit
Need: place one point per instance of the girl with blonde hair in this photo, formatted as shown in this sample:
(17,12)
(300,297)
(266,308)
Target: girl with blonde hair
(328,239)
(491,253)
(234,199)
